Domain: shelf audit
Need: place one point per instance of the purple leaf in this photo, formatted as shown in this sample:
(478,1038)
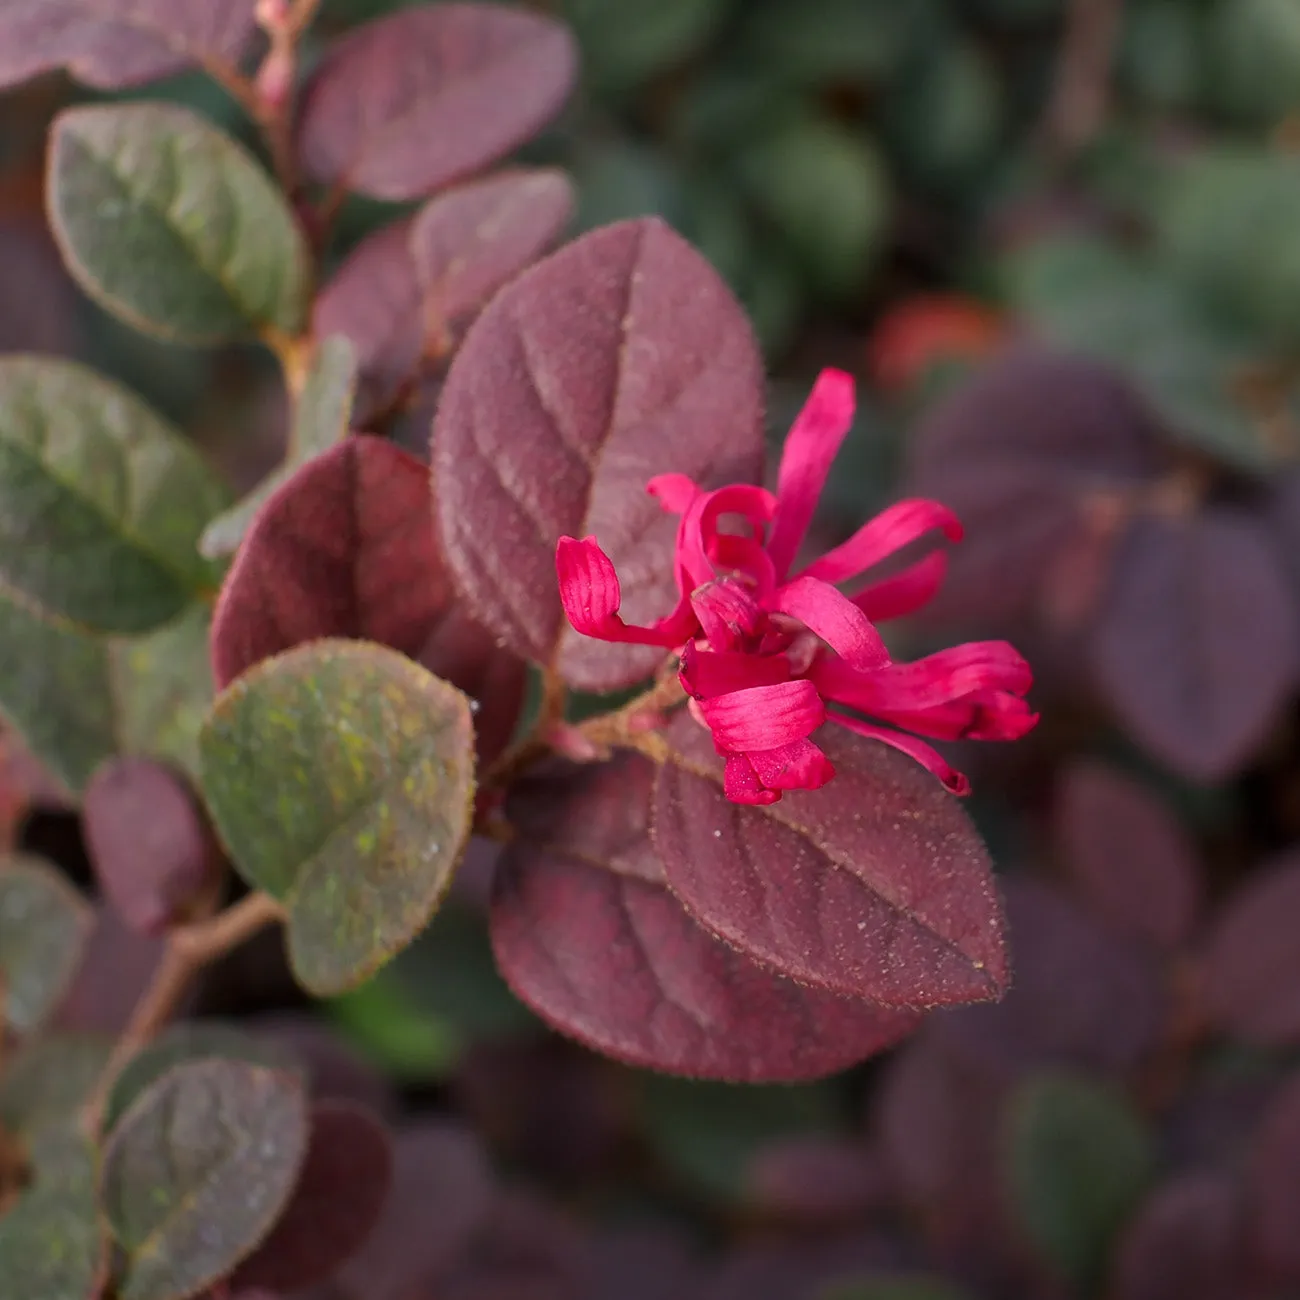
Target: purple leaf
(876,886)
(418,99)
(1018,453)
(587,934)
(817,1180)
(341,1190)
(620,357)
(347,548)
(1273,1185)
(1130,857)
(111,44)
(152,849)
(1196,645)
(1252,959)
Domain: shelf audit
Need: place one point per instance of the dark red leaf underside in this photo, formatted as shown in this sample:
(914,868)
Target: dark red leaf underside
(342,1189)
(152,850)
(1196,646)
(1252,958)
(418,99)
(1129,856)
(347,548)
(113,44)
(1018,453)
(586,933)
(876,886)
(620,357)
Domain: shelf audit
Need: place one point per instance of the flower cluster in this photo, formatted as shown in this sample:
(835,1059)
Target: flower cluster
(768,657)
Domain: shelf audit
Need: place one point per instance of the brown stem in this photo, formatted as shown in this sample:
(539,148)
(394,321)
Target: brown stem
(189,949)
(1077,107)
(532,746)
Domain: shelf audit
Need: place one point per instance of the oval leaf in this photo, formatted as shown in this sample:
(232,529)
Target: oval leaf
(149,843)
(46,1083)
(404,105)
(1252,960)
(1129,855)
(321,418)
(1196,645)
(101,502)
(198,1171)
(587,934)
(150,204)
(1078,1162)
(875,887)
(618,358)
(112,44)
(340,776)
(52,1242)
(347,548)
(341,1192)
(79,699)
(44,926)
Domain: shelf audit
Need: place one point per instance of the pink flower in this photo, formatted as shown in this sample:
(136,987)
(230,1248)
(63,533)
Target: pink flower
(768,657)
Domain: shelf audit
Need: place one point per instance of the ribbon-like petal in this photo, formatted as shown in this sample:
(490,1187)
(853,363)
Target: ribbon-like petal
(891,530)
(763,717)
(836,619)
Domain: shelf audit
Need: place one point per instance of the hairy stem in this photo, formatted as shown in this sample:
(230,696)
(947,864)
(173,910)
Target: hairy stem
(189,949)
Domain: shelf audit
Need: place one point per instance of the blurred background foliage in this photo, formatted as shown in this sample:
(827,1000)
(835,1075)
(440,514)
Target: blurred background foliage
(896,187)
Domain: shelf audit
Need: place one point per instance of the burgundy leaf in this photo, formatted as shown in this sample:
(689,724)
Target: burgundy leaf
(595,944)
(153,852)
(1196,645)
(620,357)
(112,44)
(1024,453)
(1082,996)
(640,1263)
(373,299)
(1183,1244)
(346,548)
(1130,857)
(817,1180)
(117,967)
(418,99)
(802,1270)
(876,886)
(441,1197)
(470,241)
(341,1191)
(1273,1185)
(1252,959)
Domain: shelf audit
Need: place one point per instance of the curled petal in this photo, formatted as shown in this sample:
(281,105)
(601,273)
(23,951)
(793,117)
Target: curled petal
(953,781)
(699,533)
(728,614)
(740,783)
(744,556)
(891,530)
(675,492)
(799,765)
(591,595)
(709,673)
(987,715)
(810,447)
(954,674)
(834,618)
(763,717)
(905,592)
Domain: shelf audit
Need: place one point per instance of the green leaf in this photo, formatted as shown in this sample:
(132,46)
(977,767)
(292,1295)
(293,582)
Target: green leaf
(340,776)
(52,1242)
(198,1171)
(78,699)
(1229,221)
(1078,1160)
(705,1133)
(825,190)
(1252,52)
(101,502)
(321,419)
(184,1043)
(44,925)
(1089,298)
(49,1080)
(172,225)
